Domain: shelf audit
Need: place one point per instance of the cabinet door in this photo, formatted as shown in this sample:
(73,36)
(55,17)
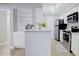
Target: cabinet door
(19,40)
(37,43)
(74,45)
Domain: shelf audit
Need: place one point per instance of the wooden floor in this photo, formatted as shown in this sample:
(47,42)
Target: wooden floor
(18,52)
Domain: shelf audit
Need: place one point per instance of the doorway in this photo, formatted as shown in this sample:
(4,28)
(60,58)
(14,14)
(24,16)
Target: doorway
(4,32)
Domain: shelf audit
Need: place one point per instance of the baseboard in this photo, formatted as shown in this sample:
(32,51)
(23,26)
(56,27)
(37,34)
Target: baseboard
(19,47)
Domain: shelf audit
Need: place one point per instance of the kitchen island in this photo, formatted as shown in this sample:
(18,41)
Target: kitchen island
(38,43)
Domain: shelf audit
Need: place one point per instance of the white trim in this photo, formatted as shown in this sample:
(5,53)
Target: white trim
(19,47)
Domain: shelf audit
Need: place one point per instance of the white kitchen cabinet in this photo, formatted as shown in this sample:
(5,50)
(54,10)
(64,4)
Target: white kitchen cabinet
(75,43)
(19,39)
(38,43)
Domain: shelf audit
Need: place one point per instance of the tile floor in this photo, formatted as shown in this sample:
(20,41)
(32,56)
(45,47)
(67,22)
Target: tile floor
(18,52)
(56,52)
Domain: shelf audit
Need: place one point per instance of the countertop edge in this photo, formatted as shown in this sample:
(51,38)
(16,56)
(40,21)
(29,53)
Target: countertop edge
(37,30)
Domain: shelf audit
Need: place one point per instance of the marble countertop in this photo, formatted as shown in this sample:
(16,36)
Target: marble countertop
(36,30)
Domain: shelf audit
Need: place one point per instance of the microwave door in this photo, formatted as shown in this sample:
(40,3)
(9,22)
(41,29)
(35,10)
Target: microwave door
(70,19)
(75,18)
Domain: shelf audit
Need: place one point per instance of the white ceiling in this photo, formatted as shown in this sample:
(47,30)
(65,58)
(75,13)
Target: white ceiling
(57,8)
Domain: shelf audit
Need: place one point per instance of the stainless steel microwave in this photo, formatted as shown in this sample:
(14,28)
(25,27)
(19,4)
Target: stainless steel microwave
(72,18)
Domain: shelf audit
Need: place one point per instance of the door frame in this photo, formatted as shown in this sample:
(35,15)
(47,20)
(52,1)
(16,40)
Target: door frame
(9,26)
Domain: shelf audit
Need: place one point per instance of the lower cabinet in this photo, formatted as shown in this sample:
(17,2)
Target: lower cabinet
(38,43)
(75,44)
(19,39)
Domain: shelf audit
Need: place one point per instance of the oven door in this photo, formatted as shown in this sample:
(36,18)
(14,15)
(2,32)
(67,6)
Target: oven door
(67,41)
(66,37)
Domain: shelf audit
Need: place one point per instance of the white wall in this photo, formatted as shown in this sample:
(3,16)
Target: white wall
(5,32)
(50,21)
(3,26)
(24,18)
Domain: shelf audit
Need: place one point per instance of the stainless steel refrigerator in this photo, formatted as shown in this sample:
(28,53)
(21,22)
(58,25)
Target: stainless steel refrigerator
(59,25)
